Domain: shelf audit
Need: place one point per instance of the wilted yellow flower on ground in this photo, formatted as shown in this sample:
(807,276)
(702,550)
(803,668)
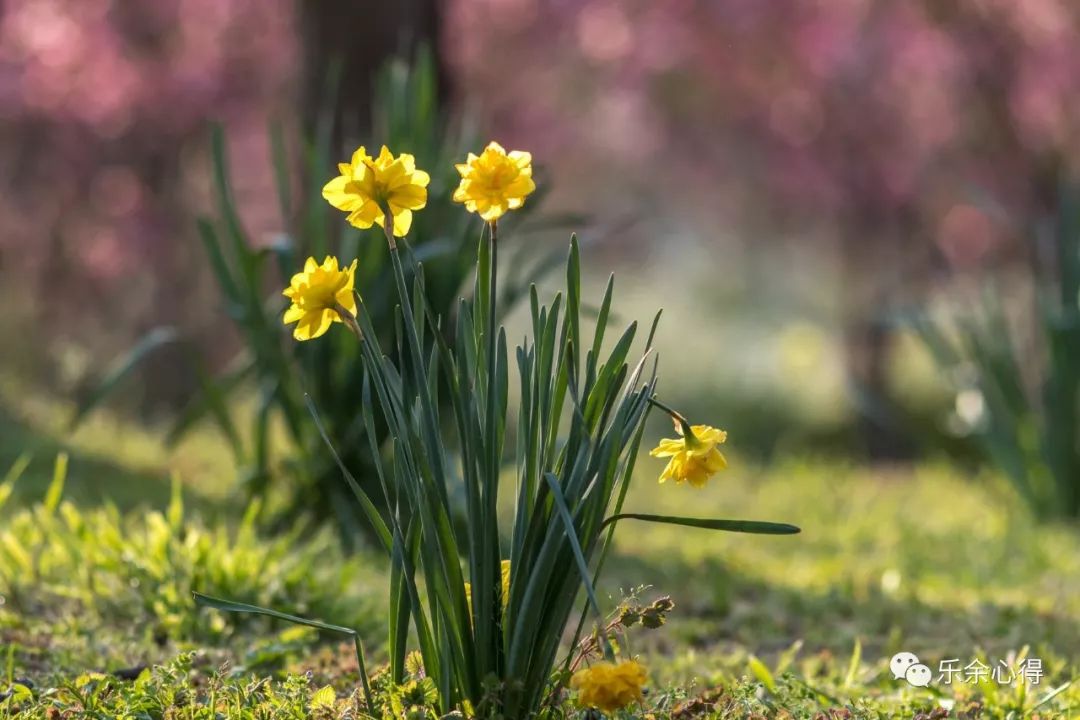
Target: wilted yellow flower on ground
(316,294)
(369,188)
(505,573)
(495,181)
(609,687)
(693,459)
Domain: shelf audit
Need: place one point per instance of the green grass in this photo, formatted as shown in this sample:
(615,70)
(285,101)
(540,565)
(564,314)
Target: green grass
(924,554)
(93,589)
(925,560)
(922,560)
(111,460)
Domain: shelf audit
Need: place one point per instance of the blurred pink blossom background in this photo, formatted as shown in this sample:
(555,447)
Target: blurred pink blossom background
(877,128)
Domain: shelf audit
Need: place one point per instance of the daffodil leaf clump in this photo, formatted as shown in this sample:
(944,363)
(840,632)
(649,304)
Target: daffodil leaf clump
(488,600)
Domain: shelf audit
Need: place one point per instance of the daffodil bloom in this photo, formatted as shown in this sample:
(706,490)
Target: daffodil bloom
(370,188)
(494,181)
(609,687)
(693,459)
(505,579)
(316,295)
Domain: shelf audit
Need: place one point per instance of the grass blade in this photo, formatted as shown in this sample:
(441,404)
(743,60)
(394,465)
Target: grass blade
(1052,694)
(853,666)
(761,672)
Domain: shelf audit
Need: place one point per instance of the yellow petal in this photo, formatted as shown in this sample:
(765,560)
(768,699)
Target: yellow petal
(493,212)
(521,186)
(667,448)
(715,461)
(669,471)
(409,197)
(462,192)
(365,216)
(522,159)
(394,175)
(421,178)
(347,300)
(336,193)
(360,157)
(293,314)
(313,325)
(402,222)
(351,270)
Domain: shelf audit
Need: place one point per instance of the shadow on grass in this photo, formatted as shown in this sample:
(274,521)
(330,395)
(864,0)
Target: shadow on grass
(91,479)
(721,610)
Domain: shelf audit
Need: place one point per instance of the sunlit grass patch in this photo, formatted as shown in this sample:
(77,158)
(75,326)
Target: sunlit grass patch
(69,575)
(111,458)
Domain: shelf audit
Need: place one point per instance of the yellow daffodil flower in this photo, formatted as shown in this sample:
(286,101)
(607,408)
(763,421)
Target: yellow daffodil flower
(693,459)
(495,181)
(316,293)
(369,188)
(608,687)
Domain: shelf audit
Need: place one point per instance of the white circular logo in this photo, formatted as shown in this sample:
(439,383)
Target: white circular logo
(900,663)
(918,675)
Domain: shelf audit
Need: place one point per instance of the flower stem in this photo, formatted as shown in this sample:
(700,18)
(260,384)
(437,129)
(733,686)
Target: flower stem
(680,422)
(388,229)
(489,567)
(675,414)
(349,319)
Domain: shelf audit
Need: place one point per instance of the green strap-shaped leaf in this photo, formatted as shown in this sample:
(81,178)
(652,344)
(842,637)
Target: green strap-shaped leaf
(212,245)
(399,620)
(755,527)
(215,399)
(238,607)
(579,556)
(242,254)
(150,342)
(280,156)
(225,384)
(573,293)
(370,510)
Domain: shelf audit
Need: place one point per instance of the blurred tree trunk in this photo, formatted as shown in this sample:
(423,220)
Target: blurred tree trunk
(878,275)
(361,36)
(356,38)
